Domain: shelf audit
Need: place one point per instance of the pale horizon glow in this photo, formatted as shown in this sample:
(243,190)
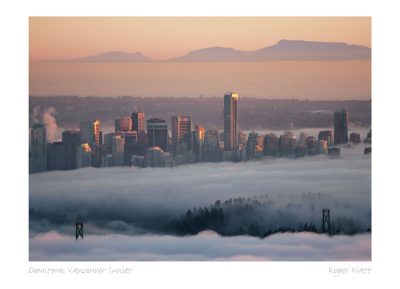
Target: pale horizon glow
(161,38)
(326,80)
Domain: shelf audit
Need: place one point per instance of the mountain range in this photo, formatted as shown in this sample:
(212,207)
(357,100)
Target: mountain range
(111,56)
(284,50)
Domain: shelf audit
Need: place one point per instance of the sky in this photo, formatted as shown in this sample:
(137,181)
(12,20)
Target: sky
(163,38)
(167,37)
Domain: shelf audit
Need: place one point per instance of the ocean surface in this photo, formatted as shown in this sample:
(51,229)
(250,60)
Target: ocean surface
(302,80)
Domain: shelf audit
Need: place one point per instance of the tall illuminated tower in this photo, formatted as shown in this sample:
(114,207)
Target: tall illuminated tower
(230,121)
(198,143)
(90,132)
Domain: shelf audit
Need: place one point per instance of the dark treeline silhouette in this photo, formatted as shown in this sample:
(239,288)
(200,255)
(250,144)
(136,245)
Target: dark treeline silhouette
(254,113)
(246,216)
(258,216)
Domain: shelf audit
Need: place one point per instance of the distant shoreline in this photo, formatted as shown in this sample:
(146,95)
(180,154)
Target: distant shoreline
(198,97)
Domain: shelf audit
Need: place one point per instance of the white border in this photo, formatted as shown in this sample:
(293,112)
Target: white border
(14,118)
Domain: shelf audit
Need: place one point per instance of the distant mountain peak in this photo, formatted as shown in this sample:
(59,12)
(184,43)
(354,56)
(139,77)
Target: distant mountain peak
(286,42)
(283,50)
(109,56)
(215,48)
(117,52)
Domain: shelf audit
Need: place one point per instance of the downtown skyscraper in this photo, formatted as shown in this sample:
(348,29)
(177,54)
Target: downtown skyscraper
(181,134)
(157,133)
(90,132)
(198,142)
(341,122)
(230,121)
(38,149)
(72,140)
(137,121)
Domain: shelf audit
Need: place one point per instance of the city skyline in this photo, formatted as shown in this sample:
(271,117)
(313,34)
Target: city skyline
(235,217)
(168,146)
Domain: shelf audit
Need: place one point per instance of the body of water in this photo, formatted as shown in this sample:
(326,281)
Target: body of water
(301,80)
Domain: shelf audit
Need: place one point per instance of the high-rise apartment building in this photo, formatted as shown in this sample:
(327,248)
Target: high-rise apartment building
(157,133)
(56,156)
(118,148)
(287,144)
(302,138)
(90,132)
(181,134)
(312,145)
(108,139)
(99,154)
(230,121)
(242,138)
(198,142)
(156,157)
(341,122)
(271,145)
(137,121)
(254,146)
(131,146)
(211,146)
(71,139)
(38,149)
(84,156)
(326,135)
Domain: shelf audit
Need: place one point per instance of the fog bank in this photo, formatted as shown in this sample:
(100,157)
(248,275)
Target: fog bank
(206,246)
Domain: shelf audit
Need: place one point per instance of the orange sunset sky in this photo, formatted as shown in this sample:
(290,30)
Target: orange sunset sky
(166,37)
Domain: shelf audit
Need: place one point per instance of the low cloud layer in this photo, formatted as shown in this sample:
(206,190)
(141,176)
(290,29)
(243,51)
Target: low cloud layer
(133,201)
(205,246)
(140,195)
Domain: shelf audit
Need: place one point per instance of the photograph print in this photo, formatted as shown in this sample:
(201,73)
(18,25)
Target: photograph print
(200,139)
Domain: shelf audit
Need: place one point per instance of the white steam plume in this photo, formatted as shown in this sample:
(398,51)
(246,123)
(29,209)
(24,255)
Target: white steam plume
(50,122)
